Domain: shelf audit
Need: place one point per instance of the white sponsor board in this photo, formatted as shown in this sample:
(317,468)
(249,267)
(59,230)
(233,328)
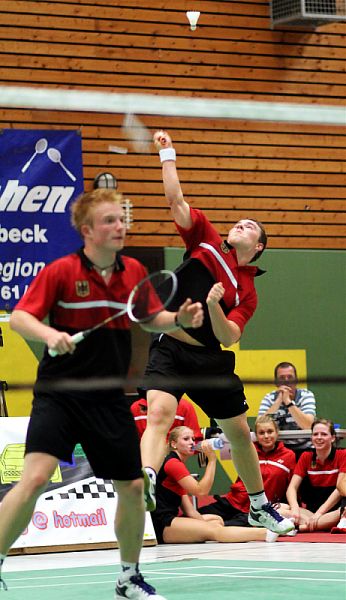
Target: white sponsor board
(80,511)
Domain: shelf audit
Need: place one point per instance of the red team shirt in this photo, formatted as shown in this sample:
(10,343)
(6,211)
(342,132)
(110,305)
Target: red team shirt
(322,477)
(75,297)
(185,416)
(322,474)
(205,244)
(277,469)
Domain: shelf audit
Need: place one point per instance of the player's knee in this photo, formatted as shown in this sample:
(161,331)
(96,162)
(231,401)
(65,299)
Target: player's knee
(160,415)
(130,491)
(239,435)
(35,483)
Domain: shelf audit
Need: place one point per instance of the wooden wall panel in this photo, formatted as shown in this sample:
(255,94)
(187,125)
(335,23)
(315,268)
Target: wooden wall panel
(289,176)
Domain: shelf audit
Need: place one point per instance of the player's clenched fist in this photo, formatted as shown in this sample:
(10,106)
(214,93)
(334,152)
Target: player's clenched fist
(215,294)
(161,140)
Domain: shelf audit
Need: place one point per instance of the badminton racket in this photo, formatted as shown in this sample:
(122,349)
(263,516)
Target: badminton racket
(137,133)
(147,299)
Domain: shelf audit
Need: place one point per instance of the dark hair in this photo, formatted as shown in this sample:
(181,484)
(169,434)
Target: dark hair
(284,365)
(326,422)
(262,238)
(330,425)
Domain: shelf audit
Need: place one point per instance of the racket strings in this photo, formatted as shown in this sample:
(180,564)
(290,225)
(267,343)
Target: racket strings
(151,296)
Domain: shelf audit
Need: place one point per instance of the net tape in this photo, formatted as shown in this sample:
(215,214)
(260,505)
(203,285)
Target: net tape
(198,383)
(149,104)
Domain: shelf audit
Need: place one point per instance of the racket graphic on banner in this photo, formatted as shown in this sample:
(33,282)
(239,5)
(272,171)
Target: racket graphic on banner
(147,299)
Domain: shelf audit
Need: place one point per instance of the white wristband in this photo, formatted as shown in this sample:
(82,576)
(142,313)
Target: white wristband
(167,154)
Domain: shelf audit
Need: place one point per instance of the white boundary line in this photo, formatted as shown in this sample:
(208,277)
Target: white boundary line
(92,101)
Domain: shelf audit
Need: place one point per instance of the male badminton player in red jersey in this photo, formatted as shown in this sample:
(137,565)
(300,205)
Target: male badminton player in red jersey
(77,292)
(217,272)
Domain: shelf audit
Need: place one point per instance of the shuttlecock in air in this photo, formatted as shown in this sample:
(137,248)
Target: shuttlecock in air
(193,16)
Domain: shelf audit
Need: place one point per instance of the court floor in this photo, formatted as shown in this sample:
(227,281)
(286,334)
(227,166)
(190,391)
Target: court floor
(210,571)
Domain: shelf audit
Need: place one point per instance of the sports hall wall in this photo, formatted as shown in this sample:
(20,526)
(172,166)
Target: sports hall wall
(290,176)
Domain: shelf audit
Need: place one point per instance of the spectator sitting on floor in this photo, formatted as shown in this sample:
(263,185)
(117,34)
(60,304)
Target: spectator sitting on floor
(324,467)
(185,415)
(292,408)
(341,487)
(276,463)
(175,484)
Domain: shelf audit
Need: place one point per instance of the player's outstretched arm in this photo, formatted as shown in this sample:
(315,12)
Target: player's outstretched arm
(173,192)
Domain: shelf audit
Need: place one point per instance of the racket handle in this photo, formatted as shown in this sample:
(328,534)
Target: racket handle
(77,337)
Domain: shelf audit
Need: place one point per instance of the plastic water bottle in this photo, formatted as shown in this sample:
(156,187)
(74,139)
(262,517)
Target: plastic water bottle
(215,443)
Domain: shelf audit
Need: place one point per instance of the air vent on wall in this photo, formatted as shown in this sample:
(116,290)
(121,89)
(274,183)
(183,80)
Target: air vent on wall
(307,13)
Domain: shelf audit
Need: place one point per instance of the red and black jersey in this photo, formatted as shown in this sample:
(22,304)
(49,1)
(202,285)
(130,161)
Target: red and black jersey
(185,416)
(168,489)
(322,477)
(277,469)
(75,297)
(212,260)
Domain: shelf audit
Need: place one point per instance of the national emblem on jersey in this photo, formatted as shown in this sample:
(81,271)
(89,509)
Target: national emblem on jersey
(82,288)
(224,248)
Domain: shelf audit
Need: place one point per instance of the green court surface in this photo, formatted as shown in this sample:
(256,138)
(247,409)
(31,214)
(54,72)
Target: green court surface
(188,580)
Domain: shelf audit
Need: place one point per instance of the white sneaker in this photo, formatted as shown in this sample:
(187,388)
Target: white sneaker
(136,588)
(149,492)
(293,532)
(268,517)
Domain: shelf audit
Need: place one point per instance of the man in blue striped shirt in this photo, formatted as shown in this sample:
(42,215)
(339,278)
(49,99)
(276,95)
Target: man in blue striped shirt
(292,408)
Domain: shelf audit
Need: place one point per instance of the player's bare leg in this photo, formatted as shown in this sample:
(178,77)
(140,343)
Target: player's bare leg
(18,505)
(161,412)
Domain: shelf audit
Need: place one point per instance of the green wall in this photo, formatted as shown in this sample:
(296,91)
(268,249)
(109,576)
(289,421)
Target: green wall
(302,305)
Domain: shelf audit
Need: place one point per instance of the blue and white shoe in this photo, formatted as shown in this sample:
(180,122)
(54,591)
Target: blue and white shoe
(136,588)
(268,517)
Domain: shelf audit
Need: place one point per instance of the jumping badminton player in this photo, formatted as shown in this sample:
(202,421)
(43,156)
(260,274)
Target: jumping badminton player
(218,273)
(76,292)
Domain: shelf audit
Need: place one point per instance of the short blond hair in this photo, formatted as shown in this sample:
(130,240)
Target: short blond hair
(81,207)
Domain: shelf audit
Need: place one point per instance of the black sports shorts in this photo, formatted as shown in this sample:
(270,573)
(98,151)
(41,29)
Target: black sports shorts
(160,522)
(173,363)
(232,516)
(106,431)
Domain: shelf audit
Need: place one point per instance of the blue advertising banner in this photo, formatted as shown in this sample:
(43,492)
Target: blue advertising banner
(40,174)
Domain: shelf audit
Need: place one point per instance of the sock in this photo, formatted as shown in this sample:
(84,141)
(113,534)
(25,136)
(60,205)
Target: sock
(151,472)
(258,499)
(271,536)
(342,523)
(127,570)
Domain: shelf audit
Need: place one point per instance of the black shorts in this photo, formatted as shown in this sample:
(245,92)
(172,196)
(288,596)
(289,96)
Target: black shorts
(160,522)
(170,359)
(232,516)
(106,431)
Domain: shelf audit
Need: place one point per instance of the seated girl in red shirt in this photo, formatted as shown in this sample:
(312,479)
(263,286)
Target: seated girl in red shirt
(276,463)
(174,486)
(323,467)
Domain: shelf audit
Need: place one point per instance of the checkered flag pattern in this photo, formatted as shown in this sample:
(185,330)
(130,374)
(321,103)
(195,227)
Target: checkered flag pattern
(85,489)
